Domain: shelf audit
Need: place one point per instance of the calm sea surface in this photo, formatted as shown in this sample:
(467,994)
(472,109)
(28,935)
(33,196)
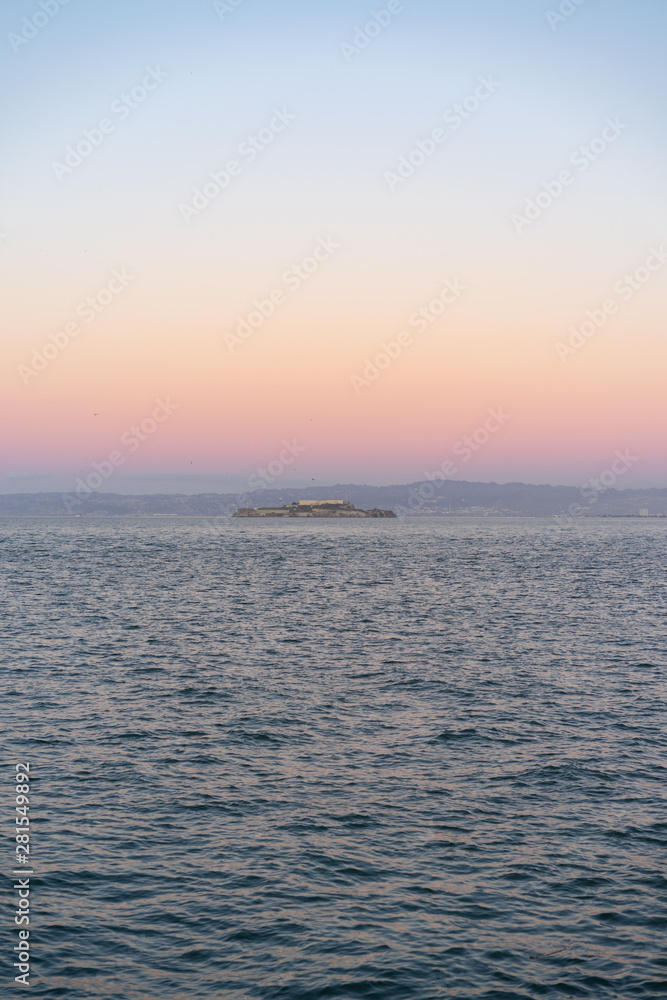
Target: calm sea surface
(376,759)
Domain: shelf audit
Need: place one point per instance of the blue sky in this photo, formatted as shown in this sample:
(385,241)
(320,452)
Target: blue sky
(225,72)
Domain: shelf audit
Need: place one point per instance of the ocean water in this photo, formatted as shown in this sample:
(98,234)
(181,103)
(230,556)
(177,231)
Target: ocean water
(398,760)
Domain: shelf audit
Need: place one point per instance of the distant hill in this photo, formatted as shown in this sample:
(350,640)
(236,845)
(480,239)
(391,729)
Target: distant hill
(411,500)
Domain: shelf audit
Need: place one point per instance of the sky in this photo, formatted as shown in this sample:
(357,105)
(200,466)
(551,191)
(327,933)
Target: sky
(320,242)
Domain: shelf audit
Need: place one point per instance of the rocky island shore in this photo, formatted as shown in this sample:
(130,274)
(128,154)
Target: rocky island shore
(313,508)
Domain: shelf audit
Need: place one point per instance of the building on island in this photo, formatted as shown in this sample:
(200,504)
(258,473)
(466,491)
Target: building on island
(313,508)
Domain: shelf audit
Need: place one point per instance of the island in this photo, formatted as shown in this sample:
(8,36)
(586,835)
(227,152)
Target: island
(313,508)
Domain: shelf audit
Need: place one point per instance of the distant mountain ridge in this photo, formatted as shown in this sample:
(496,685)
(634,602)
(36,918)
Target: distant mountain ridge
(413,500)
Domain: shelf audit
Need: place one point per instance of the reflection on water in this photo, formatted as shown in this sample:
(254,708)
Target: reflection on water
(373,759)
